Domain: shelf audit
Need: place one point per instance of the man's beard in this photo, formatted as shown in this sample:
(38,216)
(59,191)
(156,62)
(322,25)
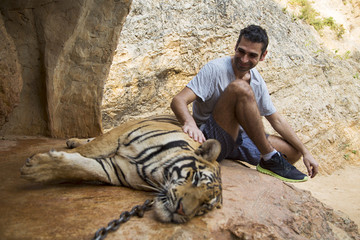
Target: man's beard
(243,67)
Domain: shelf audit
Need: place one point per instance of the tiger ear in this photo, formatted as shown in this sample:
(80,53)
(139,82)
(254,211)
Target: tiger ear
(209,150)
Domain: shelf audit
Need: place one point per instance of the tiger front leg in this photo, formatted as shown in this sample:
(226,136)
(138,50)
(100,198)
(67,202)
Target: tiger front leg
(57,166)
(77,142)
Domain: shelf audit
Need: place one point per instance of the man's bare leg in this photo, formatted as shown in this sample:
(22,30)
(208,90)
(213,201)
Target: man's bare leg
(292,155)
(237,106)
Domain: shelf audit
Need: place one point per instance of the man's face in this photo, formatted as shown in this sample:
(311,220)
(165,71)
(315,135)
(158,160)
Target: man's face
(247,55)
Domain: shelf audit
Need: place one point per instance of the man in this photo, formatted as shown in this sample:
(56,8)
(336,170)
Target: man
(229,97)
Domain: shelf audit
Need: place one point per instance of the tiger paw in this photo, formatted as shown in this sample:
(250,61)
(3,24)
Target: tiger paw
(43,167)
(76,142)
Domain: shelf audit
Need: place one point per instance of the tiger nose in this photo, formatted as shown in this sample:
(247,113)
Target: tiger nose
(180,209)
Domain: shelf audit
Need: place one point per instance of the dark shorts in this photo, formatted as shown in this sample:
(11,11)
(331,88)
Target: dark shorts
(243,149)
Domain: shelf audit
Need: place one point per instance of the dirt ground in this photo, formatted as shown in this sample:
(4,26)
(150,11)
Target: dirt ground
(340,190)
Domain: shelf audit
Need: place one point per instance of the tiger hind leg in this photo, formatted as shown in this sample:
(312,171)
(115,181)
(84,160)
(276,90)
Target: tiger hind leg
(57,166)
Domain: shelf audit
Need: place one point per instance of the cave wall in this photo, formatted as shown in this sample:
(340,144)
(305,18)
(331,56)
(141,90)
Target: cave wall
(61,53)
(10,77)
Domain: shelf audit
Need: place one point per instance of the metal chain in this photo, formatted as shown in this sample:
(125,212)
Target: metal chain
(124,217)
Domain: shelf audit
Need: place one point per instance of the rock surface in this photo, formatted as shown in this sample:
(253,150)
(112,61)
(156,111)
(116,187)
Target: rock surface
(65,50)
(255,206)
(10,77)
(163,44)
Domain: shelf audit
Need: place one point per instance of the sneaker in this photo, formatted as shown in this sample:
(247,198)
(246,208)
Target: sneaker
(278,167)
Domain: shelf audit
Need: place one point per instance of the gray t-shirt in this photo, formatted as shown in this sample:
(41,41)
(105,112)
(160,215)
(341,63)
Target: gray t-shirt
(211,82)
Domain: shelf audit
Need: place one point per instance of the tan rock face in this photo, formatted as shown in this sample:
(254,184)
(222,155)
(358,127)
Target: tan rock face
(65,50)
(10,77)
(164,44)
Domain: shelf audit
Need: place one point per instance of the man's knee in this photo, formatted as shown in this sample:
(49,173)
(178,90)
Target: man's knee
(295,157)
(240,89)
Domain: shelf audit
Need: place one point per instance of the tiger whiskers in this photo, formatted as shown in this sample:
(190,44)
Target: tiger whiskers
(163,190)
(150,188)
(155,185)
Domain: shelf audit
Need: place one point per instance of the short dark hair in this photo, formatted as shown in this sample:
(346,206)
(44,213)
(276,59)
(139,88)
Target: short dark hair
(256,34)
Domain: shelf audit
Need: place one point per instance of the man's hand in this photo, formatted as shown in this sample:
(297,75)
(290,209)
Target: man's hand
(179,106)
(311,165)
(194,132)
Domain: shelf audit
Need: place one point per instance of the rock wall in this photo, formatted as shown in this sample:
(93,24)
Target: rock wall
(60,52)
(10,77)
(163,44)
(64,49)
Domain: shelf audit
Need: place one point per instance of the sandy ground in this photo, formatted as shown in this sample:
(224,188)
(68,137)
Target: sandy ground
(340,190)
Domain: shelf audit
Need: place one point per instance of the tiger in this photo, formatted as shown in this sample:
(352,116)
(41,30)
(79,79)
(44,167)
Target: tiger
(150,154)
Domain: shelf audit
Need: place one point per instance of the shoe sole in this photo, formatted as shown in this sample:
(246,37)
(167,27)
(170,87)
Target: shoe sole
(268,172)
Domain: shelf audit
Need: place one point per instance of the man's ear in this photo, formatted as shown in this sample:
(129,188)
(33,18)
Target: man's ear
(263,55)
(209,150)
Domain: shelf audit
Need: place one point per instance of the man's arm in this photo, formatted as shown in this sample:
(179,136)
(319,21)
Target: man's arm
(179,105)
(283,128)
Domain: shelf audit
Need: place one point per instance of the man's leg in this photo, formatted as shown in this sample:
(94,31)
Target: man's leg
(292,155)
(237,106)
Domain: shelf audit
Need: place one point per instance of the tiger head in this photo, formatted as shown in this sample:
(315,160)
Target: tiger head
(181,198)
